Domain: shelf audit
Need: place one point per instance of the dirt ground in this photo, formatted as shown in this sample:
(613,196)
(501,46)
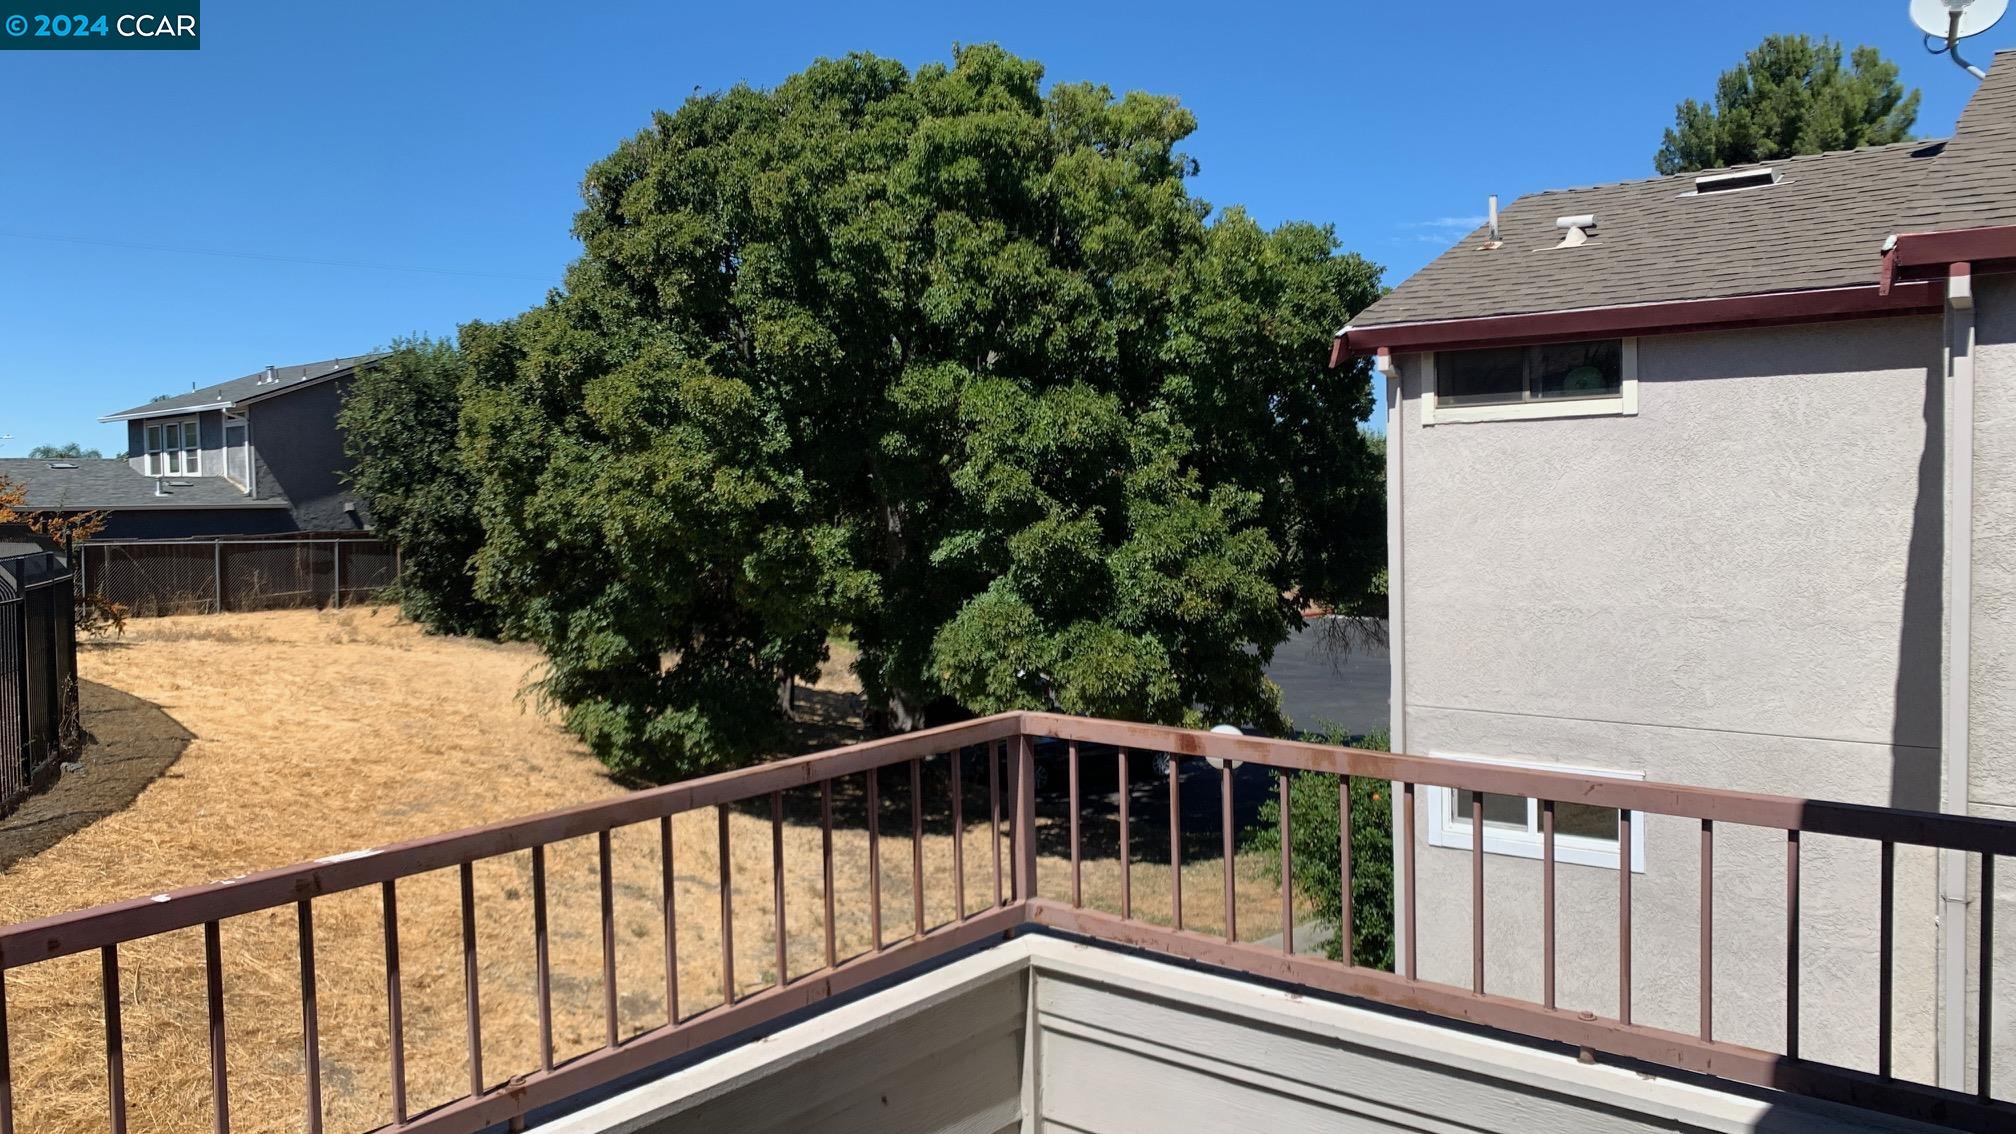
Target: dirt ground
(303,734)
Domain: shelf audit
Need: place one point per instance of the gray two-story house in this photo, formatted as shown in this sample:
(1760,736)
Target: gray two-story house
(254,455)
(1710,478)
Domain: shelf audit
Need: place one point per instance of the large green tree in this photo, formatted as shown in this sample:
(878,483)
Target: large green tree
(1791,95)
(945,361)
(399,425)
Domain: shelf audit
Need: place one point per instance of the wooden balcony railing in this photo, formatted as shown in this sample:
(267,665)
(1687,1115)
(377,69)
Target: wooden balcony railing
(1011,746)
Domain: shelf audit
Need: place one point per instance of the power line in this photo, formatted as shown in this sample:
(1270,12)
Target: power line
(229,255)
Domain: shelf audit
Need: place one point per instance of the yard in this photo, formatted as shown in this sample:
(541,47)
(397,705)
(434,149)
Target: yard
(311,733)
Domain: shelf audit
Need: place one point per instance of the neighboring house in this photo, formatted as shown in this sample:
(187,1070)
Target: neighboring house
(254,455)
(1709,479)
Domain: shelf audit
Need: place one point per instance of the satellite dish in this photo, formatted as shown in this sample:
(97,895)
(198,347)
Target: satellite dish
(1935,17)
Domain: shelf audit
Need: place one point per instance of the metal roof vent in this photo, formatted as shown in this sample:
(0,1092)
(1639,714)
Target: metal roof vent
(62,464)
(1575,231)
(1741,179)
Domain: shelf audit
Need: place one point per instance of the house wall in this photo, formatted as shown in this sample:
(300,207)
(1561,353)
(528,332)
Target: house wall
(1037,1034)
(942,1055)
(299,453)
(176,523)
(1737,587)
(1992,724)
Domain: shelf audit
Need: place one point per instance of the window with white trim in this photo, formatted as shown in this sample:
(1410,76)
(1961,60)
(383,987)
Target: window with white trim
(1583,835)
(1569,379)
(174,448)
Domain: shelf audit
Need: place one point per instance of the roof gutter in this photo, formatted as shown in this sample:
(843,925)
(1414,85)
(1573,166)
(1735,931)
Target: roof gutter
(1677,316)
(171,411)
(1940,249)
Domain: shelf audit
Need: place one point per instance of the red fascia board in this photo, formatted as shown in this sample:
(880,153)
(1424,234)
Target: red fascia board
(1972,244)
(1676,317)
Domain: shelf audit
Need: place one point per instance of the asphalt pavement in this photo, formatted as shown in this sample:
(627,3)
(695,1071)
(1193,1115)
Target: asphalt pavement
(1322,687)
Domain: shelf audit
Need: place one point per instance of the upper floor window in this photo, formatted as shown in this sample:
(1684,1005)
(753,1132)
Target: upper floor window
(173,449)
(1575,379)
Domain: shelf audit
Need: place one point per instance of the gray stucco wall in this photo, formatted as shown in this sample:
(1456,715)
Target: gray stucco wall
(299,451)
(1992,726)
(1739,587)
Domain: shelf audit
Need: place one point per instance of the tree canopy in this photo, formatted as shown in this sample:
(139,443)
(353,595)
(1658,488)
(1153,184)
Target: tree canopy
(945,362)
(399,425)
(70,450)
(1789,96)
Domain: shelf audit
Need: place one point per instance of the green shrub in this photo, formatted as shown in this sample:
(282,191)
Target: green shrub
(1312,801)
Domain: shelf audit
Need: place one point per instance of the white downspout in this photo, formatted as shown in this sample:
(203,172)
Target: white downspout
(1955,718)
(1396,607)
(1396,619)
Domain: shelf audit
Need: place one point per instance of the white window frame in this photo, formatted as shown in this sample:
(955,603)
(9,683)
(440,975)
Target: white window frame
(1446,831)
(153,440)
(1624,403)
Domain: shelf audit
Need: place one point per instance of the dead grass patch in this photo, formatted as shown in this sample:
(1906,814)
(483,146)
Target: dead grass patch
(318,732)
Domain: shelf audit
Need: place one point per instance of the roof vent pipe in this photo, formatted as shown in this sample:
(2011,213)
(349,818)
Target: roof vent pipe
(1492,214)
(1575,230)
(272,375)
(160,489)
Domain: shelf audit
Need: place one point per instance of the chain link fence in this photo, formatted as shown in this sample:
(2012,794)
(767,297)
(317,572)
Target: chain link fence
(39,727)
(205,576)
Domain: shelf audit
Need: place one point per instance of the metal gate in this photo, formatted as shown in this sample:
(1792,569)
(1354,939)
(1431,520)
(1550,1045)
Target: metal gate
(39,727)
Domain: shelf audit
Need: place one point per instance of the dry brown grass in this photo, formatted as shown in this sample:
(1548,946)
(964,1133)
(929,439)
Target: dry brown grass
(319,732)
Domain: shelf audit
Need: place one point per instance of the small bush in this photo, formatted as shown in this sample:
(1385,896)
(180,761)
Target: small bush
(1312,802)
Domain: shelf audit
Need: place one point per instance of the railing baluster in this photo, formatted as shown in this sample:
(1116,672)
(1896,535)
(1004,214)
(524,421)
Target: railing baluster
(958,835)
(1791,944)
(1886,934)
(826,868)
(213,983)
(727,910)
(1225,822)
(1547,902)
(994,814)
(1344,926)
(875,857)
(1025,819)
(542,963)
(115,1039)
(1624,915)
(1407,876)
(606,872)
(1984,1011)
(1477,892)
(1287,872)
(777,886)
(1077,891)
(6,1065)
(1126,841)
(1175,841)
(395,1014)
(473,1009)
(311,1041)
(917,846)
(1707,945)
(668,895)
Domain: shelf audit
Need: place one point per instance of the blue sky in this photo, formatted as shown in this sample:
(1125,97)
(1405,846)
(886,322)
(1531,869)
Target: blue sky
(365,170)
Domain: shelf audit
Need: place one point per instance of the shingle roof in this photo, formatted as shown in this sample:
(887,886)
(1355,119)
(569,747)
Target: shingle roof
(94,484)
(251,386)
(1821,226)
